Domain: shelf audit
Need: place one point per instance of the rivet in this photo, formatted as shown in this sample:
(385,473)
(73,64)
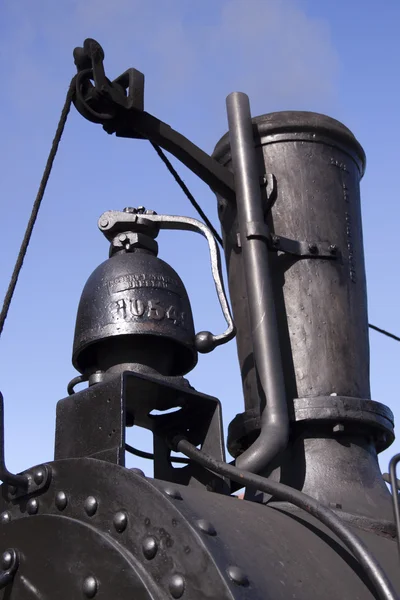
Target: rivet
(90,505)
(138,472)
(38,476)
(150,547)
(6,560)
(90,586)
(237,575)
(5,517)
(206,527)
(122,237)
(176,585)
(32,506)
(173,493)
(120,521)
(104,222)
(61,500)
(338,428)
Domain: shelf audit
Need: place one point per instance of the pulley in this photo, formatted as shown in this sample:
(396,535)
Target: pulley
(134,312)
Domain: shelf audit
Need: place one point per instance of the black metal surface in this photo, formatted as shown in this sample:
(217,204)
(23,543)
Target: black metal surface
(174,538)
(373,571)
(114,533)
(258,291)
(321,304)
(92,423)
(134,309)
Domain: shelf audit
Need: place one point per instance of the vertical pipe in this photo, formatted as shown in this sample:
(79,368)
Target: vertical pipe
(274,433)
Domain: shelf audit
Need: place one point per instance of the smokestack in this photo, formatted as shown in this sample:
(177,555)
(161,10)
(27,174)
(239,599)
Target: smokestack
(310,167)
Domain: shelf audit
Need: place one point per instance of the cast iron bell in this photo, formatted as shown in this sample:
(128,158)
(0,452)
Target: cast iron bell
(134,310)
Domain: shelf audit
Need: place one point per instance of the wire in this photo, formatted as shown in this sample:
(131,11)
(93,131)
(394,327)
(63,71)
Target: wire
(150,456)
(36,205)
(367,561)
(185,189)
(384,332)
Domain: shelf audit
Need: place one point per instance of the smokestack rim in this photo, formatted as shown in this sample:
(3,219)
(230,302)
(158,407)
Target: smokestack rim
(298,122)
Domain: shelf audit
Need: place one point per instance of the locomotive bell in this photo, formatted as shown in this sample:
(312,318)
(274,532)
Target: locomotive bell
(134,311)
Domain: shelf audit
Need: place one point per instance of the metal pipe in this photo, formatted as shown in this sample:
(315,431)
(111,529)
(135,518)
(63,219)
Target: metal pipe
(253,231)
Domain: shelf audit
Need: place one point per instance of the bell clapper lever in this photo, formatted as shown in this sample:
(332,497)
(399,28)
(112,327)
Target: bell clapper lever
(122,228)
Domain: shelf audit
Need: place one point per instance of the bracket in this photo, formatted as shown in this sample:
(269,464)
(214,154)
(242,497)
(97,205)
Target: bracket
(92,422)
(118,106)
(279,243)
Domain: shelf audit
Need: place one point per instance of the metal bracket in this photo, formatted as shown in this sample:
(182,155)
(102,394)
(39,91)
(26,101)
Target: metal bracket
(118,106)
(278,243)
(304,249)
(144,401)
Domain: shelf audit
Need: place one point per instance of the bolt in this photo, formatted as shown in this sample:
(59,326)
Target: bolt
(6,560)
(32,506)
(150,547)
(275,241)
(333,248)
(61,500)
(339,428)
(90,587)
(313,248)
(141,210)
(176,585)
(123,237)
(172,493)
(90,506)
(120,521)
(237,575)
(104,223)
(38,476)
(206,527)
(5,517)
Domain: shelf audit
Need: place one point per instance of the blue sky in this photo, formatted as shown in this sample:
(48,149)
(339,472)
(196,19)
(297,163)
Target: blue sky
(339,58)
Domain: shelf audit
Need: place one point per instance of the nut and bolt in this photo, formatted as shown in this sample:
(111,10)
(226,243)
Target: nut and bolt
(275,241)
(103,222)
(338,428)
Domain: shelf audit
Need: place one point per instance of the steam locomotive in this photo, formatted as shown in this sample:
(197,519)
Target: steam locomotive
(317,519)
